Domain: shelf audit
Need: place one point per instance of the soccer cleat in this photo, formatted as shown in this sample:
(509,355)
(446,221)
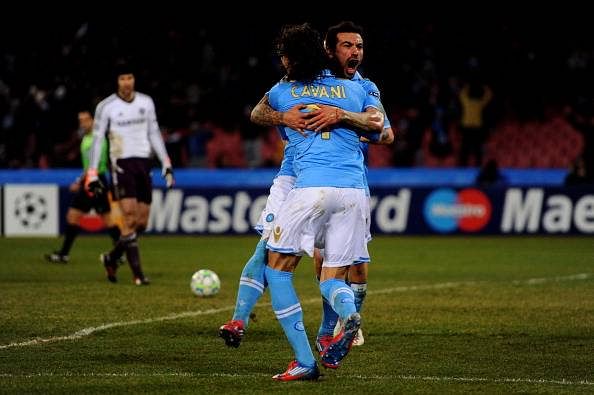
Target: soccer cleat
(359,339)
(56,257)
(295,371)
(110,267)
(141,281)
(322,342)
(232,332)
(342,343)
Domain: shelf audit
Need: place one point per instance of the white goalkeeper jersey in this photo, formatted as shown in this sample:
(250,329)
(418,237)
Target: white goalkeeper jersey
(132,128)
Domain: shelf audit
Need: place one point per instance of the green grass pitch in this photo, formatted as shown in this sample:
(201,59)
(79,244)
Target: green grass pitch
(443,314)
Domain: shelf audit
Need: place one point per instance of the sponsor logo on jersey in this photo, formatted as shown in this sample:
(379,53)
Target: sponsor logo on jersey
(129,122)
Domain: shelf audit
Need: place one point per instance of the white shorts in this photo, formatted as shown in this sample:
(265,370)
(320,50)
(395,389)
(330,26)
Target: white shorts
(278,193)
(368,218)
(364,254)
(332,218)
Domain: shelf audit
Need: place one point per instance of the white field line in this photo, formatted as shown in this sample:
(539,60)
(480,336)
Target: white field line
(88,331)
(248,376)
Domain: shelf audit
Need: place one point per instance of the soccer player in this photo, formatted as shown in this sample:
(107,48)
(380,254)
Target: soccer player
(326,202)
(344,46)
(129,119)
(252,284)
(81,202)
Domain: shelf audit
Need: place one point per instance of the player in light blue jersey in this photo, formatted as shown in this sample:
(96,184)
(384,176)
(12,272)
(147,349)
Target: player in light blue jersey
(344,46)
(252,283)
(295,43)
(326,205)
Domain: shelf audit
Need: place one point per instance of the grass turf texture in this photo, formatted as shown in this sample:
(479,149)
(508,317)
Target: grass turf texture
(443,314)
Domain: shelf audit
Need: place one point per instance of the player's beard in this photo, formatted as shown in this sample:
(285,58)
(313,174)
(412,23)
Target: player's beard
(126,93)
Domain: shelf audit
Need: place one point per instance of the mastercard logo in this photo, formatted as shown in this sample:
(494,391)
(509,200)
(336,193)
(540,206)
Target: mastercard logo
(446,210)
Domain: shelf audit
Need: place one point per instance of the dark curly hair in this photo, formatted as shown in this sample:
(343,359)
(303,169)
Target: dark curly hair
(343,27)
(302,46)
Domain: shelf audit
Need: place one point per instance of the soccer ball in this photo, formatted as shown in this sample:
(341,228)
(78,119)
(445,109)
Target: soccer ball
(205,283)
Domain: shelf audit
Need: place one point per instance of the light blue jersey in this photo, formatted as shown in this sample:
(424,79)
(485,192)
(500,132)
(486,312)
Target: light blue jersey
(329,158)
(372,90)
(286,167)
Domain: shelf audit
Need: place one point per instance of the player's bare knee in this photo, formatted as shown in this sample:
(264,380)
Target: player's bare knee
(333,272)
(358,273)
(282,262)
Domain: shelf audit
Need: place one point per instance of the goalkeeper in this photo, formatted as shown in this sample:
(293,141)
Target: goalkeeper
(129,119)
(81,202)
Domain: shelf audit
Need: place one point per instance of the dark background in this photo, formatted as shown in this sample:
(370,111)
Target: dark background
(211,68)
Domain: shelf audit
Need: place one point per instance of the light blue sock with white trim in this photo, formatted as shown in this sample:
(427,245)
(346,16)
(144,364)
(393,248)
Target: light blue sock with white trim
(329,319)
(251,284)
(340,296)
(287,309)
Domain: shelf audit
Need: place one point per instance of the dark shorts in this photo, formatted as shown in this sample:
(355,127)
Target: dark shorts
(83,202)
(132,179)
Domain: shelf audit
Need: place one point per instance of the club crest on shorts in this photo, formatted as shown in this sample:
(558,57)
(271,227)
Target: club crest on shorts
(277,233)
(270,217)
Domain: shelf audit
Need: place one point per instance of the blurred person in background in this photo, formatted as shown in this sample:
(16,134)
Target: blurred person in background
(577,174)
(474,98)
(581,116)
(129,119)
(490,175)
(81,202)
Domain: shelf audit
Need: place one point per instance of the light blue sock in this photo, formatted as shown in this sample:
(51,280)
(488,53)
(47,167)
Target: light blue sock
(287,309)
(329,319)
(251,284)
(340,296)
(360,292)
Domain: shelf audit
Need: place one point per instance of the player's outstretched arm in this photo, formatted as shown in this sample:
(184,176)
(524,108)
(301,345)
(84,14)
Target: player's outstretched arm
(263,114)
(372,120)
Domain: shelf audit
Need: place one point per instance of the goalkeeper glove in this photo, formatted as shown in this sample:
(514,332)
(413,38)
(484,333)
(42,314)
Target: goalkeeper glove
(93,184)
(167,174)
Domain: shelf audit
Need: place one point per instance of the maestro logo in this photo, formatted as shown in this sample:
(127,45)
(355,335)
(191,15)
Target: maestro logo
(446,210)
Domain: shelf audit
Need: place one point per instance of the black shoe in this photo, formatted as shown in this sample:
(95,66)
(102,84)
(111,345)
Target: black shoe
(110,267)
(56,257)
(141,281)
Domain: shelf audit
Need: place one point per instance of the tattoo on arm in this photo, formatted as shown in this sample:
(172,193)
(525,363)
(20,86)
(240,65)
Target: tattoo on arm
(367,121)
(264,115)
